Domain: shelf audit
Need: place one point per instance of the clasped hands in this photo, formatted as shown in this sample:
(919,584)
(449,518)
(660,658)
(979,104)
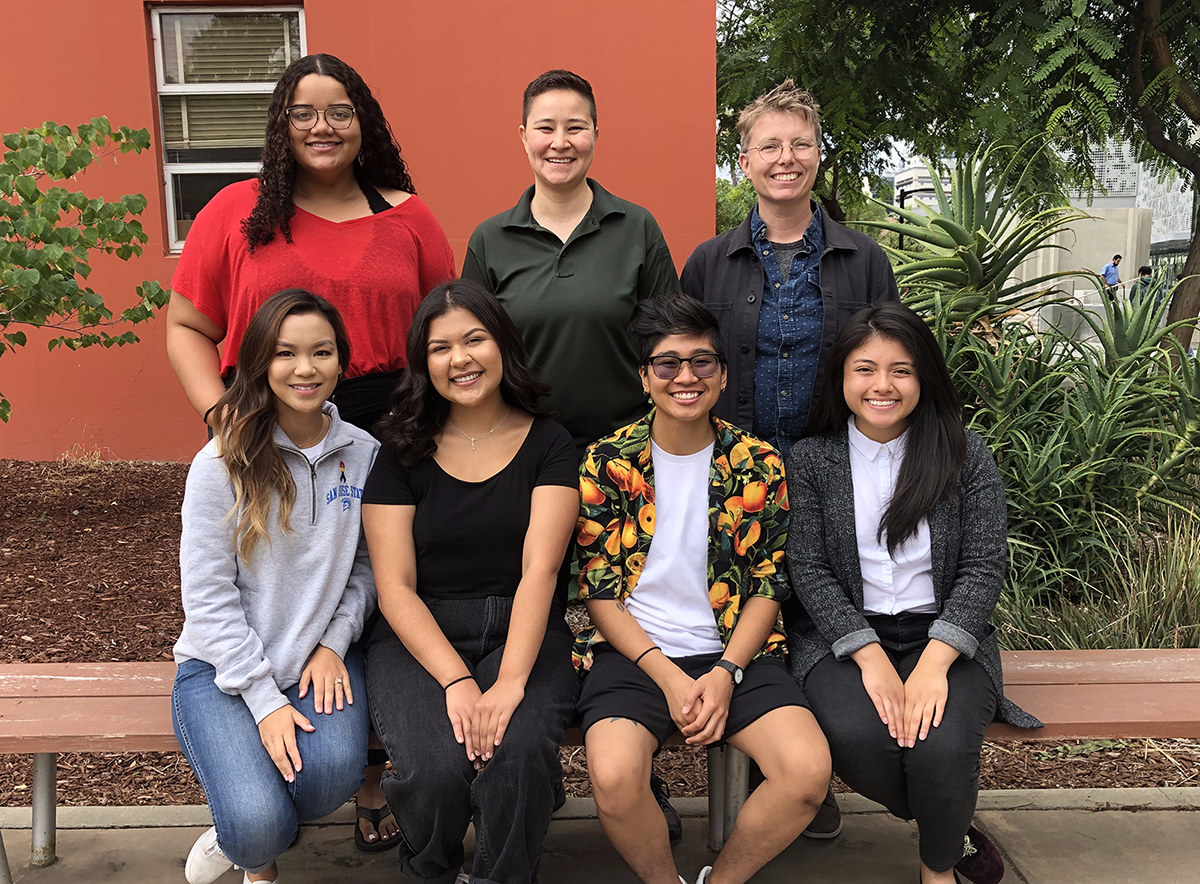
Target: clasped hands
(910,707)
(699,706)
(480,718)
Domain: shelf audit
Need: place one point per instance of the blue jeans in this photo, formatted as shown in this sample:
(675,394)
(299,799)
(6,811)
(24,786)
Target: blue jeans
(435,792)
(257,813)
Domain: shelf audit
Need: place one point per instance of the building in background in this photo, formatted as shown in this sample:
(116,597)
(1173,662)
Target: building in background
(449,77)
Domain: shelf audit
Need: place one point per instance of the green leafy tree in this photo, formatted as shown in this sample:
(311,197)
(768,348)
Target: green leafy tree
(946,75)
(734,202)
(48,236)
(1091,70)
(910,72)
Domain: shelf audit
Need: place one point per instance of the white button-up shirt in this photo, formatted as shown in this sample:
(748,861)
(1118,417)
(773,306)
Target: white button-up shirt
(891,584)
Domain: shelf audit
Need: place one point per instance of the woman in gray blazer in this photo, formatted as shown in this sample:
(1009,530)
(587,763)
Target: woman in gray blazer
(897,559)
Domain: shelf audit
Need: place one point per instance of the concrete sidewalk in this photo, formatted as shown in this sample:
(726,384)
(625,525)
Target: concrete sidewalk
(1095,836)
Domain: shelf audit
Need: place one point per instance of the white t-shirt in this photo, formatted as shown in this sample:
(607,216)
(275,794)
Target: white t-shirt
(315,451)
(670,601)
(891,584)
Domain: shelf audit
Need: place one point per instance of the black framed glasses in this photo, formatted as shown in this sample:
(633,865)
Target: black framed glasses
(303,117)
(770,151)
(667,368)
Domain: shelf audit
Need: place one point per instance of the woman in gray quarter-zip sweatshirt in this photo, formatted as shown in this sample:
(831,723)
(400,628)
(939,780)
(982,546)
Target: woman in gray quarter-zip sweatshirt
(270,700)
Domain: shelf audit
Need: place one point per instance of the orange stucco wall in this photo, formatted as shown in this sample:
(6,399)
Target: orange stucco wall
(449,76)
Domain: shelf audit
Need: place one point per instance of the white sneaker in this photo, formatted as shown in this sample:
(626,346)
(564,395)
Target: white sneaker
(205,862)
(702,878)
(462,878)
(246,879)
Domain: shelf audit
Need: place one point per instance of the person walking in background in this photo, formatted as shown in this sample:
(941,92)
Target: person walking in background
(1144,286)
(782,284)
(680,562)
(276,585)
(333,210)
(1110,273)
(788,278)
(468,513)
(898,563)
(569,261)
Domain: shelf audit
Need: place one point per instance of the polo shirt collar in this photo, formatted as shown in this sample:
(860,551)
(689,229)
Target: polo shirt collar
(603,205)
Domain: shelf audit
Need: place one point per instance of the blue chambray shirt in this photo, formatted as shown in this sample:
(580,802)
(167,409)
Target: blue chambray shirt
(789,335)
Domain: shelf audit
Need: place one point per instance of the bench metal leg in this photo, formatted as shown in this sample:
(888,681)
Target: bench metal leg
(737,787)
(716,797)
(5,873)
(45,808)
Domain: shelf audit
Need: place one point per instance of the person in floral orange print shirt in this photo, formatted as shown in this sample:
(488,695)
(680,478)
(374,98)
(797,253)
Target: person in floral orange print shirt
(680,560)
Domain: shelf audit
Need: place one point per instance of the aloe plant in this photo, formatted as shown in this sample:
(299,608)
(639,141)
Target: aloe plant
(975,239)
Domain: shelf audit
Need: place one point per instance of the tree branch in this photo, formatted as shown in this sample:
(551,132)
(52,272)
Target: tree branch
(1151,121)
(1161,58)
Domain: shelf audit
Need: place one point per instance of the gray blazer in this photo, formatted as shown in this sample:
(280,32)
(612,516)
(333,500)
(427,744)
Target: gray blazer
(968,538)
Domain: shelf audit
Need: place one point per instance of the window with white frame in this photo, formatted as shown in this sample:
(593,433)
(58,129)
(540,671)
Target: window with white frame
(216,70)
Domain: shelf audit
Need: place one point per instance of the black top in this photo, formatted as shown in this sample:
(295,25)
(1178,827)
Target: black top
(470,536)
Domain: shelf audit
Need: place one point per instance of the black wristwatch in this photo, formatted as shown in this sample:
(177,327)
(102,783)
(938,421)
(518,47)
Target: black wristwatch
(735,671)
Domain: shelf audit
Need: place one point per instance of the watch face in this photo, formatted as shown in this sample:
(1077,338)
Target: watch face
(737,675)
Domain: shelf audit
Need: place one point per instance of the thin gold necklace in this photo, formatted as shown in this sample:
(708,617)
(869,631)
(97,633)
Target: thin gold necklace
(475,439)
(320,433)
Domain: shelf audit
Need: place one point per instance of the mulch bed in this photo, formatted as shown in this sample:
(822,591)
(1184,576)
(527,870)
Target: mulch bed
(89,571)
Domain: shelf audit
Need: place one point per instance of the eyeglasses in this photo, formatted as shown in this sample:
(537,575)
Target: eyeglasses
(771,150)
(667,368)
(303,117)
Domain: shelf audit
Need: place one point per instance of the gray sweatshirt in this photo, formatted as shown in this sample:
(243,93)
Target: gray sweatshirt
(258,624)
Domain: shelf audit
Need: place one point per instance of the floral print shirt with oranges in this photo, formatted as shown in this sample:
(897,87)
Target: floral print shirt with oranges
(747,525)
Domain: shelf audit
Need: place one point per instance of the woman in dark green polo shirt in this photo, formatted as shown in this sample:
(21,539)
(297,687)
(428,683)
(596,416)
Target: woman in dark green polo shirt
(569,261)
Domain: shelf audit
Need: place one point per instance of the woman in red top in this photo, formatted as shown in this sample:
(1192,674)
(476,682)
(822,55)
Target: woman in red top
(333,211)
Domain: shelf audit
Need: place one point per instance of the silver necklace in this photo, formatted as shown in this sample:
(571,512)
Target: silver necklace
(475,439)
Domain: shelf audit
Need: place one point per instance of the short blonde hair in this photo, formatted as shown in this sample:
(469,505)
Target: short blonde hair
(785,97)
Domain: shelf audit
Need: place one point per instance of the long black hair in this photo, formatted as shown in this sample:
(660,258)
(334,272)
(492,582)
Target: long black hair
(418,411)
(379,162)
(936,445)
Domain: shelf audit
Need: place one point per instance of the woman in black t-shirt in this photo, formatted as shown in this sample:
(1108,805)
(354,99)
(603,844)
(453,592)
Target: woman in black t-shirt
(467,513)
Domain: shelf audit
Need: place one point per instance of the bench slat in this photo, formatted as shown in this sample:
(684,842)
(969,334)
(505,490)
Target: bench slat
(1149,667)
(86,724)
(1105,710)
(86,679)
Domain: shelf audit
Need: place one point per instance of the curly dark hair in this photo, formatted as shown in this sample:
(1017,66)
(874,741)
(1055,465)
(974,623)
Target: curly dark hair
(418,410)
(380,163)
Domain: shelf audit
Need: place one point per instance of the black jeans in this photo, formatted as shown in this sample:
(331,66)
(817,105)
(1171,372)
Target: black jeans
(435,792)
(936,782)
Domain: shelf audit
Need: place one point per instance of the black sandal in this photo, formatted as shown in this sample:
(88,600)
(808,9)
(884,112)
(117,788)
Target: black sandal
(376,815)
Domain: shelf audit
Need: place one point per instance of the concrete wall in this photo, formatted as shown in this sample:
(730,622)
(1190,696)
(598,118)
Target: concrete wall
(449,76)
(1091,243)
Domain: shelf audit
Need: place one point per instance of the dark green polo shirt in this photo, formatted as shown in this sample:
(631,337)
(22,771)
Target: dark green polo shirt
(572,302)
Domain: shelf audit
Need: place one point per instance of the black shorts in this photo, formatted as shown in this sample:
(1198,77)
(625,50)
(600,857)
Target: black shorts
(616,688)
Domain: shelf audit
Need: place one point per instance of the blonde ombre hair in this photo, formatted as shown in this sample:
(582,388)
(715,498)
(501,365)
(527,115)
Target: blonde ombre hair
(246,419)
(786,97)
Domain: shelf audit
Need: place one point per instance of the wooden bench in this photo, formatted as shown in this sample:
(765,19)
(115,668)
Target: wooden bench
(125,707)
